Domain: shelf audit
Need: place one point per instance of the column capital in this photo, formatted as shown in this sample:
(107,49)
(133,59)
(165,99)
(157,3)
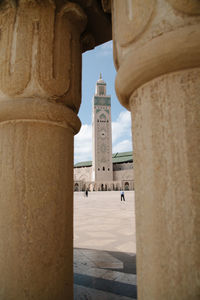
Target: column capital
(40,50)
(36,110)
(41,45)
(153,38)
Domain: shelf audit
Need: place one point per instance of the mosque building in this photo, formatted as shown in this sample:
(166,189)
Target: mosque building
(107,171)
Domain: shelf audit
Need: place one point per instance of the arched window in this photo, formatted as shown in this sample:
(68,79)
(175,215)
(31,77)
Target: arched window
(108,169)
(102,117)
(76,187)
(126,186)
(103,168)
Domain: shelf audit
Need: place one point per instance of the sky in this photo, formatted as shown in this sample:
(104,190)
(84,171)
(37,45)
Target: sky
(96,61)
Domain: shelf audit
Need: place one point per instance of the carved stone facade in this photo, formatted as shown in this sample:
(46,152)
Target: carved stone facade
(122,179)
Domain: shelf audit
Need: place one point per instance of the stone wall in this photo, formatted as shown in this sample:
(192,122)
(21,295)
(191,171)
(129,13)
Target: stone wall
(123,166)
(123,175)
(121,172)
(83,174)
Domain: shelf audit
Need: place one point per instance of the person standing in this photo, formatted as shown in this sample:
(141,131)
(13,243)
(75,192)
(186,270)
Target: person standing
(122,196)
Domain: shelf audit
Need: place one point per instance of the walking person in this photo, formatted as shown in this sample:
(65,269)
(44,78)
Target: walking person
(122,196)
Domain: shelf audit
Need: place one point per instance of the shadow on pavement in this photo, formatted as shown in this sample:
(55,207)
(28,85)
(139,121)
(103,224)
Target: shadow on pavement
(106,271)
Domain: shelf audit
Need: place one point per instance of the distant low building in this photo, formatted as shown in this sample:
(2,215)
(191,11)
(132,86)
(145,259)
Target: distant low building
(122,165)
(107,171)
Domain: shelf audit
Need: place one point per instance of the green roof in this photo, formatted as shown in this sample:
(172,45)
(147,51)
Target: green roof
(117,158)
(123,154)
(83,164)
(121,157)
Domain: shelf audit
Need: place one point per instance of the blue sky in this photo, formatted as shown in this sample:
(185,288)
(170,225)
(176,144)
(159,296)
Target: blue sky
(95,61)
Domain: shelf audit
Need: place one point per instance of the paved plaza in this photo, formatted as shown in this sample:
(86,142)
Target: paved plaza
(104,246)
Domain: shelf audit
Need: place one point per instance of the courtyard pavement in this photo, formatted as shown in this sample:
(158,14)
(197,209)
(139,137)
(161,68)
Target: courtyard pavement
(104,246)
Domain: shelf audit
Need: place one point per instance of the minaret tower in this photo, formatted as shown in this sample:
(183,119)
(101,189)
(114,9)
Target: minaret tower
(101,133)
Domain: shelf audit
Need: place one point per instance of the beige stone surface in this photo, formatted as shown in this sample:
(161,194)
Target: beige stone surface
(167,192)
(123,174)
(40,94)
(103,222)
(186,6)
(42,64)
(156,20)
(35,210)
(120,172)
(84,174)
(40,72)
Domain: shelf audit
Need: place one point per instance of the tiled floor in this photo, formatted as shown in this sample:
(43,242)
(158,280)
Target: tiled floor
(104,241)
(104,275)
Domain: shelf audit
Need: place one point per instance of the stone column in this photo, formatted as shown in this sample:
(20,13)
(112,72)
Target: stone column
(40,84)
(157,54)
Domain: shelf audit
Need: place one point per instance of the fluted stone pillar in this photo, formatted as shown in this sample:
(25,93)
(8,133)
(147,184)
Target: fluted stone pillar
(40,84)
(157,55)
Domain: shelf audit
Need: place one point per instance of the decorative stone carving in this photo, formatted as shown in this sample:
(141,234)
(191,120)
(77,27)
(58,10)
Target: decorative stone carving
(157,58)
(39,111)
(154,39)
(130,19)
(37,48)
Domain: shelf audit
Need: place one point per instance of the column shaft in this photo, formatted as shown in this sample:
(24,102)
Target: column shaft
(166,122)
(36,208)
(40,80)
(157,55)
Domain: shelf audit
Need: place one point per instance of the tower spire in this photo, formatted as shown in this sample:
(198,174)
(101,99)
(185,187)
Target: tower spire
(100,76)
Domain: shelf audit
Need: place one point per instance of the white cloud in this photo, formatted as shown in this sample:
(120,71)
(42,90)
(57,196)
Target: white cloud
(83,144)
(121,138)
(121,128)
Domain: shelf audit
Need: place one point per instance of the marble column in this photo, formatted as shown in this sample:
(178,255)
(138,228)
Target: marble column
(157,55)
(40,90)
